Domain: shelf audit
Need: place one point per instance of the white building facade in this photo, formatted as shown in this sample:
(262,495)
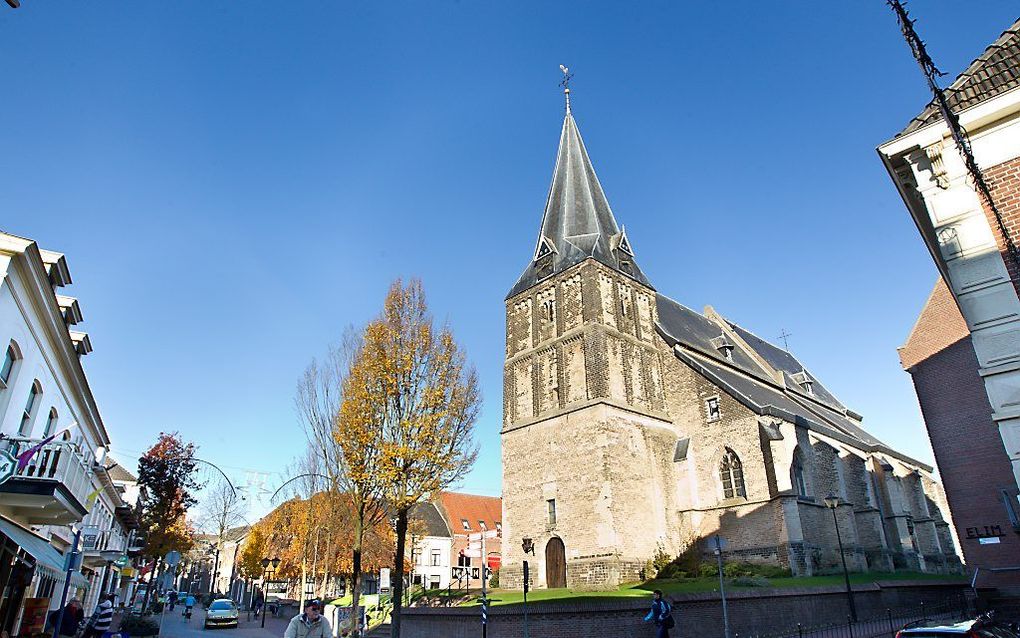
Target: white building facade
(47,406)
(968,244)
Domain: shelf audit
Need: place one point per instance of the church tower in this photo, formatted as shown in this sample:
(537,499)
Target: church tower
(587,446)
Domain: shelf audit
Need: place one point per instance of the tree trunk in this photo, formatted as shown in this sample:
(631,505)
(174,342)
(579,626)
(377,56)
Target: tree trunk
(359,532)
(398,580)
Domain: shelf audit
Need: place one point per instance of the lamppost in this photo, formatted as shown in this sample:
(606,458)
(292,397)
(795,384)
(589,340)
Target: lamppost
(528,545)
(267,572)
(832,502)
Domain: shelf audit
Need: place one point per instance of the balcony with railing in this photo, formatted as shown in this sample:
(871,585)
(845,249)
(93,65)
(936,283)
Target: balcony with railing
(52,488)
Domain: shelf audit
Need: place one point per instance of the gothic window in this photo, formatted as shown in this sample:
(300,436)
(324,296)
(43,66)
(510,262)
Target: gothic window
(26,418)
(732,474)
(712,410)
(624,305)
(797,474)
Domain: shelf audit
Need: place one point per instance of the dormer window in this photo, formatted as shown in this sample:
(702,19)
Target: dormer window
(464,522)
(804,380)
(725,347)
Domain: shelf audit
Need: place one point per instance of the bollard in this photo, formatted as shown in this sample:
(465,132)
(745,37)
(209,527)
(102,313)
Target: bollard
(892,628)
(923,615)
(800,631)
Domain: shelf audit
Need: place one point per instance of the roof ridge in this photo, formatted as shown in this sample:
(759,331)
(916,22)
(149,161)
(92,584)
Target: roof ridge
(930,113)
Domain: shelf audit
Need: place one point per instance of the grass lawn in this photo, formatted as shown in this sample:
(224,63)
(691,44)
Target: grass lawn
(644,590)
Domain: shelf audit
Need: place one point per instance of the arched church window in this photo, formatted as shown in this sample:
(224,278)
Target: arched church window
(732,474)
(797,474)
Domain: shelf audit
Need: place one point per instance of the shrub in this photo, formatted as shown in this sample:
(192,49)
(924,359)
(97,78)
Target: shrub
(494,579)
(133,625)
(751,581)
(708,570)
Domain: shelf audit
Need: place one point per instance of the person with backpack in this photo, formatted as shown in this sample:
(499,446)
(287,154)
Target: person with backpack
(661,614)
(70,621)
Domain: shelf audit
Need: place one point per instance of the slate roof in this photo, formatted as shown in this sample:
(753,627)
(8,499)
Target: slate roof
(432,518)
(757,387)
(119,473)
(578,222)
(994,72)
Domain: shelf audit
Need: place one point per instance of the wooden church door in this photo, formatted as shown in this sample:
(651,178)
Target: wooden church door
(555,564)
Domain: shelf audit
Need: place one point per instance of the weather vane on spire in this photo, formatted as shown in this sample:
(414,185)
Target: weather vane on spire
(567,75)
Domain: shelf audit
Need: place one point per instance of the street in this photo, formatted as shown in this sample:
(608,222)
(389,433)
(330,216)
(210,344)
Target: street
(175,626)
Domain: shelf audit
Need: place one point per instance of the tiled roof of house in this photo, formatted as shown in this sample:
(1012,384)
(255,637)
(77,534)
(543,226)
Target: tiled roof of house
(473,509)
(939,326)
(996,71)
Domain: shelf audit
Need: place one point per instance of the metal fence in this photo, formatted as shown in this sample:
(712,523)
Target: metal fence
(879,626)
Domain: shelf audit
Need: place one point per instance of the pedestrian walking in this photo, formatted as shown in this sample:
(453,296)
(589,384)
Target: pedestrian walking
(661,614)
(172,598)
(310,624)
(189,603)
(101,618)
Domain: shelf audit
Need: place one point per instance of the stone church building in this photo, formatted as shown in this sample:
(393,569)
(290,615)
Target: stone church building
(633,424)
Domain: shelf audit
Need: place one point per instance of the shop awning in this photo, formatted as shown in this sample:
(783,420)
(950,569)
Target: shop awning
(47,557)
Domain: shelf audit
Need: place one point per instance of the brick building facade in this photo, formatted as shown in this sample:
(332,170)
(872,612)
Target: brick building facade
(968,449)
(634,425)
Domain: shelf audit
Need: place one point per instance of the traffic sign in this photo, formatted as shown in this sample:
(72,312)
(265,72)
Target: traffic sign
(475,545)
(472,553)
(8,466)
(475,536)
(172,558)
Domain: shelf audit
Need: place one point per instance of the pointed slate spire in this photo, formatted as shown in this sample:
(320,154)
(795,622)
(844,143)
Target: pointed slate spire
(578,223)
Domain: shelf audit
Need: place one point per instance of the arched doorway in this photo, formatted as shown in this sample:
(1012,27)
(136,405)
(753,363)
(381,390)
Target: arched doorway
(555,564)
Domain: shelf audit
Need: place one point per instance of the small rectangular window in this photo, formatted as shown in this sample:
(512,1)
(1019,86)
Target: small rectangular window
(499,527)
(481,525)
(436,558)
(465,523)
(712,410)
(551,503)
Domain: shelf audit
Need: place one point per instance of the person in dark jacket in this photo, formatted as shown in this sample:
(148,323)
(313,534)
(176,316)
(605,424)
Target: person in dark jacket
(73,615)
(660,614)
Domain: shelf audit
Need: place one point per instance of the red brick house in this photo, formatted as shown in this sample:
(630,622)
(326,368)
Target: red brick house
(972,461)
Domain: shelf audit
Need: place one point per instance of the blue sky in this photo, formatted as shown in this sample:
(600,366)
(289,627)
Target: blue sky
(233,183)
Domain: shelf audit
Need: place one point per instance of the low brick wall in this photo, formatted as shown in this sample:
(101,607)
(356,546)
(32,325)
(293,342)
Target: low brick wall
(751,612)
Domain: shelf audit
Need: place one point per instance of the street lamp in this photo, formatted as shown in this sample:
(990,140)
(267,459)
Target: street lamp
(832,502)
(528,545)
(267,571)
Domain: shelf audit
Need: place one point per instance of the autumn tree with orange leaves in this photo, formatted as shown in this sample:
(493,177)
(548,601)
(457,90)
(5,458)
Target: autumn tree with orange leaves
(166,474)
(410,402)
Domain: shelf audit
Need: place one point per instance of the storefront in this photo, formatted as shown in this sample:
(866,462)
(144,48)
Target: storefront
(31,570)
